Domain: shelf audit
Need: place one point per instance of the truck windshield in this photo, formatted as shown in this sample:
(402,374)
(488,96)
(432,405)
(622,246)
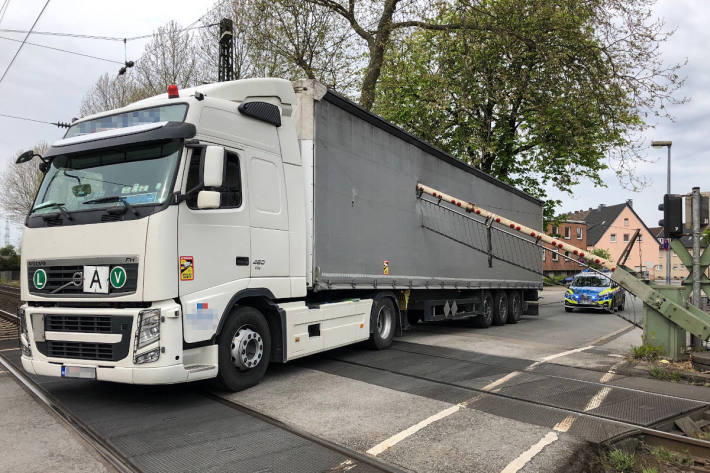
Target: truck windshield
(590,281)
(139,176)
(167,113)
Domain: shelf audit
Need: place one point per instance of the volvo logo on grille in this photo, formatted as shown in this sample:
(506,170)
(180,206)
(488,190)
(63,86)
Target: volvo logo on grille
(77,278)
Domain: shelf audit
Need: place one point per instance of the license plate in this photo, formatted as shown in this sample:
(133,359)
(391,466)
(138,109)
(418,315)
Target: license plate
(85,372)
(96,279)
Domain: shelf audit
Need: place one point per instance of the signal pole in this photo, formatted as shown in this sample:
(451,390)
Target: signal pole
(225,61)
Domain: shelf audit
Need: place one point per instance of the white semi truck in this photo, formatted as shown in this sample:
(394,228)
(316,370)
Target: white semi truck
(207,232)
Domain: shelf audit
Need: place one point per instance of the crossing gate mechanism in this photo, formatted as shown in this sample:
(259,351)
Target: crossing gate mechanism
(667,312)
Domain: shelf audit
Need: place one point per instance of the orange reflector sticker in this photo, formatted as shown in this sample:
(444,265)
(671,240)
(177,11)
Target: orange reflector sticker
(298,339)
(362,325)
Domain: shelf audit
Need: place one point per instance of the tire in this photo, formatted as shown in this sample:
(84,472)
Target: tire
(246,328)
(515,307)
(383,317)
(568,309)
(486,318)
(500,308)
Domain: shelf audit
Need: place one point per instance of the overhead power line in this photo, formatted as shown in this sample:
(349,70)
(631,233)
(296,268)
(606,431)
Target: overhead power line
(23,41)
(99,37)
(3,9)
(62,50)
(58,124)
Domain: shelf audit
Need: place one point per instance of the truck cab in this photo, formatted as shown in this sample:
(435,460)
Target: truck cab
(167,243)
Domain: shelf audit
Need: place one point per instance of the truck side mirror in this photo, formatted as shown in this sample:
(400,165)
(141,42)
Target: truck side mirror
(208,200)
(212,170)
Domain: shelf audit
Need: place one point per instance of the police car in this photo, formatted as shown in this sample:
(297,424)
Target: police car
(591,290)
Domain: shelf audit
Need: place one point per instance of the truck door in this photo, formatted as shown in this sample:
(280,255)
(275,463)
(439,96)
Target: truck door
(269,220)
(214,247)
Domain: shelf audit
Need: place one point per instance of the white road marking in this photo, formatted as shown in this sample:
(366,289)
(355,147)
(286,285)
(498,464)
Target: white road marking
(609,375)
(565,424)
(558,355)
(9,349)
(597,399)
(528,455)
(523,459)
(396,438)
(500,381)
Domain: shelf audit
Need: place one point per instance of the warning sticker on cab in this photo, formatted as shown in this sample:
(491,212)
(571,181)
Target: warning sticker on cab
(187,268)
(385,267)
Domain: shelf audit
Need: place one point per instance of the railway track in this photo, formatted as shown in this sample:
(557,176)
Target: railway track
(352,460)
(343,459)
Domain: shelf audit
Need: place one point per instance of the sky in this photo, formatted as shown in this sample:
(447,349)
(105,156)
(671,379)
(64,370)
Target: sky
(48,85)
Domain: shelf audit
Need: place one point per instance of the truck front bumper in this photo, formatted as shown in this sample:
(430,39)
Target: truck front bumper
(42,357)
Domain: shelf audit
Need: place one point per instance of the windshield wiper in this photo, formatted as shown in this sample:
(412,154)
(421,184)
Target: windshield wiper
(114,198)
(57,205)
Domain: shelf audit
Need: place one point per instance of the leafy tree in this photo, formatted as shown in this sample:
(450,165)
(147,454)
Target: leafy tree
(600,252)
(19,185)
(556,102)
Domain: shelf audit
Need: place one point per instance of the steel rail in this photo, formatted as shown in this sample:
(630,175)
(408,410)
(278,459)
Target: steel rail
(635,428)
(111,455)
(345,451)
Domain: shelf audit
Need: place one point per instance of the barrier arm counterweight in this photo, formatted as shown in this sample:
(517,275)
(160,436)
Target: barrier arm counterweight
(687,317)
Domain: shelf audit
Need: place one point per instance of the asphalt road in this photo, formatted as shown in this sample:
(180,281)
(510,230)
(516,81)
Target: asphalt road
(448,397)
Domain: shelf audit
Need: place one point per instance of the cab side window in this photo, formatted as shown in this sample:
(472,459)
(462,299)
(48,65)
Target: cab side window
(231,190)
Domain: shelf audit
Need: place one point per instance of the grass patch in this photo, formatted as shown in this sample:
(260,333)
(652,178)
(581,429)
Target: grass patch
(647,352)
(662,454)
(666,374)
(650,469)
(552,280)
(622,461)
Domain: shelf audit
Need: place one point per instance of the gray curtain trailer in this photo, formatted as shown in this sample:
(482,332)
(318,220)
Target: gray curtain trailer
(370,230)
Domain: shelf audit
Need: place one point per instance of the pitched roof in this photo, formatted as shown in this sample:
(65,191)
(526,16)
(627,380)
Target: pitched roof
(657,232)
(599,220)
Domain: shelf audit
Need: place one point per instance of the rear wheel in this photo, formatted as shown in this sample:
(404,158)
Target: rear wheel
(244,349)
(515,307)
(500,306)
(383,317)
(486,318)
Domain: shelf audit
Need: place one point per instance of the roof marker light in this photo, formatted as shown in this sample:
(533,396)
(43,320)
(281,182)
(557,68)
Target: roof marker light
(173,91)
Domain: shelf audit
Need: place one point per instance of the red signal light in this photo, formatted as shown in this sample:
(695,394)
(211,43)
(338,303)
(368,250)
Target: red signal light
(173,91)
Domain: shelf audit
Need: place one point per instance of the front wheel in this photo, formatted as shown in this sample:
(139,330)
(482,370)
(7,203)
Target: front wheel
(568,309)
(244,347)
(382,315)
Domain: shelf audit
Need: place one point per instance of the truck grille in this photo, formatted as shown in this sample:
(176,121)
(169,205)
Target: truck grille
(70,280)
(80,350)
(78,323)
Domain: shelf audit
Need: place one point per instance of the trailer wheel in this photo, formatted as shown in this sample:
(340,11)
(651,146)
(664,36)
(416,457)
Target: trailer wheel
(383,316)
(500,308)
(244,349)
(486,318)
(515,307)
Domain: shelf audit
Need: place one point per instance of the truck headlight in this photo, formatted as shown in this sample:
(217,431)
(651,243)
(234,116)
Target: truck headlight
(148,327)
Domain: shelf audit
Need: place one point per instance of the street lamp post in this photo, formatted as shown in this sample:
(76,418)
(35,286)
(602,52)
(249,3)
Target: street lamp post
(667,144)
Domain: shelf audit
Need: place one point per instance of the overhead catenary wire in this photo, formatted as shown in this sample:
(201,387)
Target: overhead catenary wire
(3,9)
(62,50)
(23,41)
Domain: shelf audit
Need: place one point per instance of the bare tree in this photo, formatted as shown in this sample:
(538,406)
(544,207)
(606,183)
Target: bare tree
(285,38)
(171,57)
(19,184)
(111,92)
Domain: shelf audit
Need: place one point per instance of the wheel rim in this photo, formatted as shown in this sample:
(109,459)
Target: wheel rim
(503,308)
(516,307)
(247,348)
(487,308)
(384,322)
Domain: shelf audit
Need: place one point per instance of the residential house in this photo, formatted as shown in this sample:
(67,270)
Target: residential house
(570,231)
(610,227)
(678,269)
